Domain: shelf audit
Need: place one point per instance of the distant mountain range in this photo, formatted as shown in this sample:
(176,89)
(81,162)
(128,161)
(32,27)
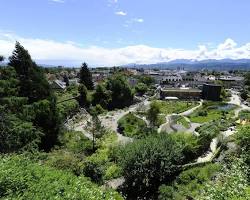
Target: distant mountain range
(190,65)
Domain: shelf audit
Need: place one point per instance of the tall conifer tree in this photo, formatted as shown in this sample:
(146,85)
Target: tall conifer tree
(86,77)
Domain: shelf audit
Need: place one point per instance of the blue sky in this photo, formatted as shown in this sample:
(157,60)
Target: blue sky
(123,27)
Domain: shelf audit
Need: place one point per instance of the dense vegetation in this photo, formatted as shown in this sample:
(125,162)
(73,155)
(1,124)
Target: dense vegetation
(212,111)
(132,126)
(20,178)
(53,145)
(154,160)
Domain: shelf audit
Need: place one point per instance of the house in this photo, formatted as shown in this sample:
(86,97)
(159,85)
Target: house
(236,82)
(58,85)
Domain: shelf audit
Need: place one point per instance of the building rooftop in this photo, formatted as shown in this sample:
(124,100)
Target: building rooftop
(181,90)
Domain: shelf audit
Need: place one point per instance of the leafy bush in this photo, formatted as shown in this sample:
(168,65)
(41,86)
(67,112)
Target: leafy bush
(149,162)
(97,110)
(141,88)
(22,179)
(17,135)
(189,183)
(231,183)
(97,165)
(243,140)
(67,108)
(131,126)
(64,160)
(76,142)
(113,171)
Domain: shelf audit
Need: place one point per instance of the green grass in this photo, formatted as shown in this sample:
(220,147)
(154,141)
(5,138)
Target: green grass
(181,120)
(212,111)
(168,107)
(131,126)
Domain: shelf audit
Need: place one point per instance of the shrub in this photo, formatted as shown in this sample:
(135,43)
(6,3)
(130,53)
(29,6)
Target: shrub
(113,171)
(22,179)
(231,183)
(131,126)
(189,183)
(149,162)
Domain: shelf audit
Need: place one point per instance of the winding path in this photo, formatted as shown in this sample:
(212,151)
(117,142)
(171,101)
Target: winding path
(235,99)
(167,125)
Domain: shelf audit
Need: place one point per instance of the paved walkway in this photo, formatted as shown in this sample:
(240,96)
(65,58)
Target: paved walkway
(235,99)
(167,125)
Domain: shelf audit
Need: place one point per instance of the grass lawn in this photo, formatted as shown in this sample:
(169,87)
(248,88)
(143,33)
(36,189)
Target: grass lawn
(182,121)
(212,111)
(131,126)
(168,107)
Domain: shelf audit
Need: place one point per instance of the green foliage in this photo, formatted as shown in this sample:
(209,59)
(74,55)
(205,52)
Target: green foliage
(67,109)
(182,121)
(121,92)
(22,179)
(101,96)
(230,184)
(98,165)
(169,107)
(243,140)
(131,126)
(141,88)
(8,82)
(244,95)
(189,183)
(97,110)
(75,142)
(147,80)
(83,95)
(113,171)
(149,162)
(212,111)
(86,77)
(153,114)
(247,79)
(244,114)
(47,117)
(33,83)
(210,130)
(16,134)
(65,160)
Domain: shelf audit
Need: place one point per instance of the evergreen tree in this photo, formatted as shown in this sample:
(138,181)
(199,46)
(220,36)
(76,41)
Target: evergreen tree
(101,96)
(86,77)
(33,83)
(1,58)
(83,95)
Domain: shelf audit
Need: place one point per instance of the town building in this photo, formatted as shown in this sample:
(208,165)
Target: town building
(181,93)
(211,92)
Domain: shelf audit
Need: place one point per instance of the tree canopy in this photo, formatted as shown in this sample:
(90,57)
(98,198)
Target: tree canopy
(33,83)
(121,93)
(86,77)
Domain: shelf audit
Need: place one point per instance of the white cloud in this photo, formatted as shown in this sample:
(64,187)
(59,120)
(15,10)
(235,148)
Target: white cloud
(53,52)
(58,1)
(122,13)
(139,20)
